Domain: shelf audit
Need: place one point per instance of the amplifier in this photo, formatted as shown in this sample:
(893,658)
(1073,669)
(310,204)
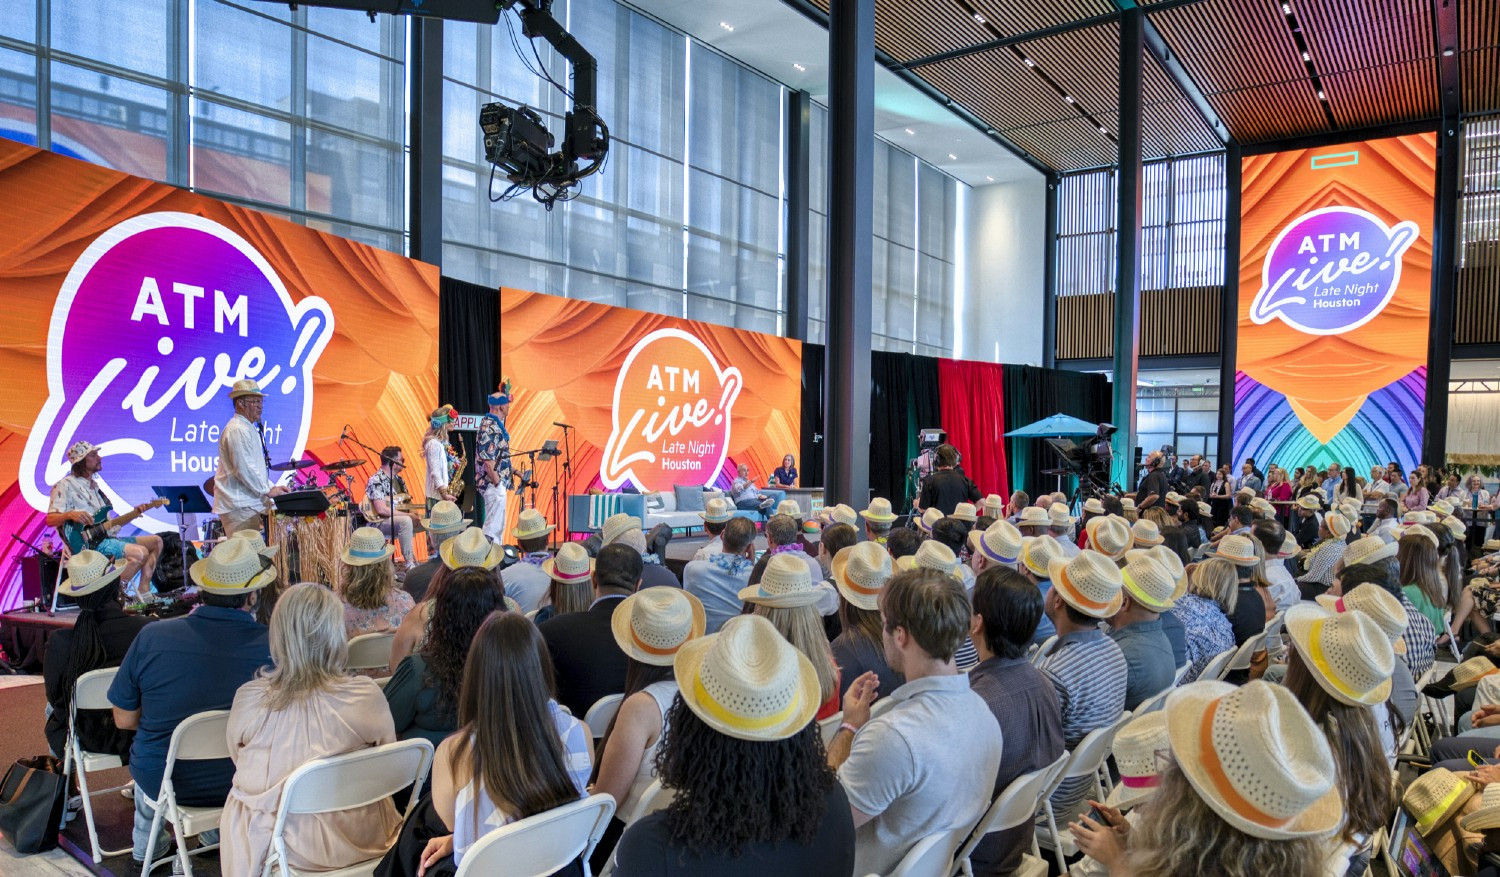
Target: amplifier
(38,577)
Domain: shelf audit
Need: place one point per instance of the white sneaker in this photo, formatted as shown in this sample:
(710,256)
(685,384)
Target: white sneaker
(128,793)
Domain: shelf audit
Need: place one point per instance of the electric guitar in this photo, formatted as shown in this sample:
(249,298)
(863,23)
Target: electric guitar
(80,536)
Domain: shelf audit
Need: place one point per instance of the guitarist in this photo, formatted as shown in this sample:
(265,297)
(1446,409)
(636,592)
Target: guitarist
(384,490)
(77,499)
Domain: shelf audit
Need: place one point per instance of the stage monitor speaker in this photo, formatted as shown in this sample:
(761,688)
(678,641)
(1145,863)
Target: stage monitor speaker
(38,577)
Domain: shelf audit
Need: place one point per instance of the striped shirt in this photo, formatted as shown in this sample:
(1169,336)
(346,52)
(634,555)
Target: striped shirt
(1089,672)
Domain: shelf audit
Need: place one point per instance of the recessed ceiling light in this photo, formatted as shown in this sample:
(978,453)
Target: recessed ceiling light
(1069,98)
(726,25)
(1286,8)
(1103,130)
(1322,95)
(1448,52)
(1029,62)
(991,179)
(979,18)
(1306,56)
(910,131)
(799,67)
(952,157)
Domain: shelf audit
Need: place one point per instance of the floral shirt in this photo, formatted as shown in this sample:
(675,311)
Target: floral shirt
(1208,630)
(492,445)
(382,620)
(75,494)
(382,486)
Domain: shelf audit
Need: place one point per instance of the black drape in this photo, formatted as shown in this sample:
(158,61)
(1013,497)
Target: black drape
(810,458)
(468,344)
(903,398)
(1032,393)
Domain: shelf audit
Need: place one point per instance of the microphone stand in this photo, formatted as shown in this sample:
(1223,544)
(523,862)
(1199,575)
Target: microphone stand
(567,475)
(390,537)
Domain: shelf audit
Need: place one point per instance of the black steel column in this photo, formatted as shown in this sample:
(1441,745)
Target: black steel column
(1445,238)
(425,180)
(1049,276)
(798,204)
(851,140)
(1229,305)
(1128,246)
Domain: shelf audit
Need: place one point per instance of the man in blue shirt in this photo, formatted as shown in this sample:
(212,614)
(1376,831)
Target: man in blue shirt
(189,665)
(1334,481)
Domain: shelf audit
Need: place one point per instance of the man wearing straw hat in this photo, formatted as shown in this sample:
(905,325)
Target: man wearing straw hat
(442,523)
(182,666)
(524,581)
(589,664)
(242,484)
(1137,629)
(1085,666)
(716,513)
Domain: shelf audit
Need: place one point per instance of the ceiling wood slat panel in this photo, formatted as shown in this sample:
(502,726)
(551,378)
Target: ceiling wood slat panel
(1069,143)
(1385,95)
(998,88)
(1011,18)
(1271,112)
(1085,63)
(910,29)
(1479,40)
(1228,45)
(1345,35)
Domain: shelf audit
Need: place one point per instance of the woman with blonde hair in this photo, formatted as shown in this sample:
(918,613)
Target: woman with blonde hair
(1205,610)
(372,601)
(437,453)
(307,706)
(787,597)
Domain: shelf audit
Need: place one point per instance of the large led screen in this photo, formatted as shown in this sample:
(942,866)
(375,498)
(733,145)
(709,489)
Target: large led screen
(1334,300)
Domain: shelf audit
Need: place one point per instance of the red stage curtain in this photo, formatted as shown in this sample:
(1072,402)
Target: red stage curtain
(972,396)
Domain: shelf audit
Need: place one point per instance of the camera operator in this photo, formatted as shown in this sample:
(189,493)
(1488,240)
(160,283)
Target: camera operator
(1154,486)
(945,488)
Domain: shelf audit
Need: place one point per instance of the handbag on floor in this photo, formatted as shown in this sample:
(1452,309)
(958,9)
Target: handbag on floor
(32,797)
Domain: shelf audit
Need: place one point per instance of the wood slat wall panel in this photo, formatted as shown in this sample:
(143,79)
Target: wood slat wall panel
(1174,322)
(1085,326)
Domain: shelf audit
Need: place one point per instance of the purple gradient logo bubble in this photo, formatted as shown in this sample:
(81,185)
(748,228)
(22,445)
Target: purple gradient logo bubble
(1332,270)
(157,318)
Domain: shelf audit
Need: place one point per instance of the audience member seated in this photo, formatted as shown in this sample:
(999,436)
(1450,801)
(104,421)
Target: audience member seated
(569,582)
(1006,609)
(1420,577)
(442,523)
(650,626)
(952,534)
(787,597)
(1205,610)
(928,763)
(524,580)
(716,513)
(1034,521)
(1170,561)
(285,718)
(516,753)
(1037,554)
(902,543)
(834,538)
(998,545)
(935,555)
(1111,536)
(1136,629)
(99,638)
(1371,599)
(878,519)
(743,720)
(423,692)
(717,582)
(468,549)
(1420,635)
(1250,614)
(1136,751)
(1274,545)
(783,536)
(1325,554)
(1250,786)
(861,571)
(182,666)
(372,601)
(1306,515)
(586,660)
(626,530)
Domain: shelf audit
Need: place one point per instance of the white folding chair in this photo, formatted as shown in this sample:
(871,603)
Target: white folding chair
(1181,672)
(1016,806)
(932,856)
(1086,760)
(829,727)
(347,782)
(199,737)
(1214,669)
(1046,649)
(1242,656)
(542,844)
(90,693)
(656,797)
(371,651)
(1153,703)
(602,713)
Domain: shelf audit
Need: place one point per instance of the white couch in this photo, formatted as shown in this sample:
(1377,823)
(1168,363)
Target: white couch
(661,508)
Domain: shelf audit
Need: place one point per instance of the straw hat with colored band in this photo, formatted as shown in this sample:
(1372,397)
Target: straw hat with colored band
(571,565)
(1109,535)
(652,624)
(1001,543)
(928,519)
(88,571)
(860,571)
(1468,674)
(1145,533)
(786,583)
(717,511)
(1255,758)
(1441,507)
(1435,796)
(1488,814)
(1309,501)
(244,387)
(1038,552)
(843,514)
(1090,583)
(1031,516)
(1338,525)
(1135,749)
(1093,506)
(367,545)
(1127,503)
(616,526)
(879,511)
(1149,583)
(1368,549)
(994,505)
(1175,498)
(445,517)
(233,567)
(965,511)
(79,450)
(470,548)
(1348,653)
(1169,561)
(789,508)
(530,524)
(1238,550)
(255,538)
(1372,600)
(904,564)
(937,556)
(1057,515)
(747,681)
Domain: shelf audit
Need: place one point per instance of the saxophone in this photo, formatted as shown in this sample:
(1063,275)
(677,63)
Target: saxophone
(456,484)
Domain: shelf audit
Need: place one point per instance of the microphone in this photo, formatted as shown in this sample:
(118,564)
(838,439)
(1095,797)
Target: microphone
(563,425)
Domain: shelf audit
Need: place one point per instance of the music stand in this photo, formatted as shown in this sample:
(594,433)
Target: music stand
(188,499)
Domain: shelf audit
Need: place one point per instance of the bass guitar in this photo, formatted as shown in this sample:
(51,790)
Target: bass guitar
(80,536)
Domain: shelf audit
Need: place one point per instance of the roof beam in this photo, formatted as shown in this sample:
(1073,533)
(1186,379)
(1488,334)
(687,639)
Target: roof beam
(1450,98)
(1189,89)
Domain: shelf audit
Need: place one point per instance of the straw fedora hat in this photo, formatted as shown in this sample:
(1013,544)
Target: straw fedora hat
(244,387)
(255,538)
(1491,545)
(79,450)
(1245,491)
(1337,524)
(1435,796)
(1368,549)
(652,624)
(616,526)
(1031,516)
(1001,543)
(1348,653)
(905,563)
(1455,526)
(444,518)
(929,517)
(1145,533)
(1127,503)
(1171,563)
(1372,600)
(1488,814)
(844,514)
(1468,674)
(1441,507)
(1175,498)
(367,545)
(1256,758)
(1135,749)
(789,508)
(1421,531)
(1309,501)
(1090,583)
(1038,552)
(1149,583)
(1238,550)
(994,505)
(1109,535)
(470,548)
(530,524)
(879,511)
(747,681)
(233,567)
(1057,515)
(1263,505)
(1205,510)
(786,583)
(937,556)
(1419,517)
(572,564)
(965,511)
(88,571)
(1093,506)
(860,571)
(717,511)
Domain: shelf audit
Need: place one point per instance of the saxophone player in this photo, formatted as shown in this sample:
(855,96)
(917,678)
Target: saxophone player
(437,451)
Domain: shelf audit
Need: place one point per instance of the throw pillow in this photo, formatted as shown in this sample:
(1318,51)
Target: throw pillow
(689,497)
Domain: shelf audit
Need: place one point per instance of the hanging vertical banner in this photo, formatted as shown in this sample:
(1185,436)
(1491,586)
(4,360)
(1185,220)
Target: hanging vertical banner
(1334,304)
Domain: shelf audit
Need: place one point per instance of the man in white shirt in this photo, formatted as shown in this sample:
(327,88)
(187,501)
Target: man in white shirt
(242,484)
(716,513)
